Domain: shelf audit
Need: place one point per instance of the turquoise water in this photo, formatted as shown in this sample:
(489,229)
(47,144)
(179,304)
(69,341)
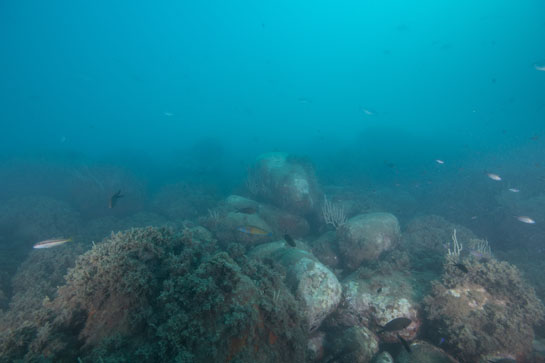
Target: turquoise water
(400,107)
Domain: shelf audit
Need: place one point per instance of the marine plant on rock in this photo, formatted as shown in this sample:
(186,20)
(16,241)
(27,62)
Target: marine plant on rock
(154,294)
(483,308)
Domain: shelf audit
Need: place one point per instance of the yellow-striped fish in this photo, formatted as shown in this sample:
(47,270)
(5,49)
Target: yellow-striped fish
(253,230)
(52,242)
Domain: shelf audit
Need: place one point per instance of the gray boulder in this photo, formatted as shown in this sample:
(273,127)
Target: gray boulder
(374,301)
(227,229)
(383,357)
(424,352)
(352,345)
(316,287)
(287,181)
(365,236)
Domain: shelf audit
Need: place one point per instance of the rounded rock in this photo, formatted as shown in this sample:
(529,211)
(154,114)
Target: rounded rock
(375,301)
(285,180)
(309,280)
(352,345)
(365,236)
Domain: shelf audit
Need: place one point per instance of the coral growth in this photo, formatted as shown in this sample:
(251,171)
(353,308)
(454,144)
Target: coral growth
(489,309)
(160,295)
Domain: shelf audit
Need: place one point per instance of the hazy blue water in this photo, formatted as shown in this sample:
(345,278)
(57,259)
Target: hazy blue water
(98,96)
(372,91)
(288,75)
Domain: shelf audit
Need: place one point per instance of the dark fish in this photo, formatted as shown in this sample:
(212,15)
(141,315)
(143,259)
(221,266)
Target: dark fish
(379,290)
(289,240)
(404,342)
(396,324)
(461,267)
(114,198)
(502,360)
(248,210)
(389,164)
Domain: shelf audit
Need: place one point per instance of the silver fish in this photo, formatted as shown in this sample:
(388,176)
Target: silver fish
(525,219)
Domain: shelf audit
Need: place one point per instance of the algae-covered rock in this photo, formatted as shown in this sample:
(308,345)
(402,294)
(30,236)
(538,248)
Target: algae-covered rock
(351,345)
(487,310)
(287,181)
(237,203)
(228,229)
(237,211)
(423,352)
(365,236)
(383,357)
(158,295)
(325,249)
(316,346)
(283,222)
(313,283)
(373,302)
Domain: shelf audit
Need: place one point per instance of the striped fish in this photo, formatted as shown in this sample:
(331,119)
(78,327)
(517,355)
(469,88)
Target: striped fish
(52,242)
(256,231)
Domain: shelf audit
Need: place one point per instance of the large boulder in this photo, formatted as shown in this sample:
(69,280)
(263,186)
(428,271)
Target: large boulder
(228,229)
(487,310)
(374,301)
(311,282)
(424,352)
(325,249)
(352,345)
(287,181)
(283,222)
(365,236)
(237,211)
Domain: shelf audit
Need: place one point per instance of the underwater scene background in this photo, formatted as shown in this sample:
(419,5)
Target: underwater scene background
(274,181)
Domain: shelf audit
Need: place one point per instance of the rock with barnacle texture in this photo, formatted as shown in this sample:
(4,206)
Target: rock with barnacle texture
(316,287)
(365,236)
(375,300)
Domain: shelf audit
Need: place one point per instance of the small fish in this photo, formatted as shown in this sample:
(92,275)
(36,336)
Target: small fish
(168,114)
(256,231)
(514,190)
(114,198)
(404,342)
(248,210)
(461,267)
(539,67)
(289,240)
(441,341)
(494,176)
(396,324)
(473,217)
(52,242)
(525,219)
(379,290)
(438,161)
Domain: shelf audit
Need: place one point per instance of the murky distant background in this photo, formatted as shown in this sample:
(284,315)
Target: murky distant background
(372,92)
